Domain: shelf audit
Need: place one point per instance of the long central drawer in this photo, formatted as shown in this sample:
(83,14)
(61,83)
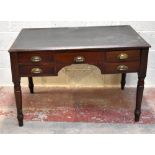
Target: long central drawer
(79,57)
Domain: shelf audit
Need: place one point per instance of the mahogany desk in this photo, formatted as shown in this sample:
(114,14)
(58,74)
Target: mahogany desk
(44,51)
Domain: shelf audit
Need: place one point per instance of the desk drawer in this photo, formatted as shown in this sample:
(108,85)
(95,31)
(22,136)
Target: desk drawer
(36,70)
(79,57)
(35,58)
(122,56)
(122,67)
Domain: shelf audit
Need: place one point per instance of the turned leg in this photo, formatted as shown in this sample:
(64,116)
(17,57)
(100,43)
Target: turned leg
(123,80)
(18,97)
(31,85)
(140,88)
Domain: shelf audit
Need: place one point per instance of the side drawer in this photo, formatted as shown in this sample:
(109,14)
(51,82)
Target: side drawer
(122,67)
(36,70)
(122,56)
(35,58)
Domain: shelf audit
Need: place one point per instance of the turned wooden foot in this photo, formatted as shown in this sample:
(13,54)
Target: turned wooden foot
(123,81)
(20,119)
(140,88)
(31,85)
(18,97)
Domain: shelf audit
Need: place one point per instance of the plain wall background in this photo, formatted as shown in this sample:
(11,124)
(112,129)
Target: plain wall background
(75,75)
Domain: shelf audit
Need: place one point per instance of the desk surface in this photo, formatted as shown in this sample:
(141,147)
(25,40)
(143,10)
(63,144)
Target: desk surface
(100,37)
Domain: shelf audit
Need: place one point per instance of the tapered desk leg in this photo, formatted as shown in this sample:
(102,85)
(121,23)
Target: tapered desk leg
(18,97)
(31,85)
(123,81)
(140,88)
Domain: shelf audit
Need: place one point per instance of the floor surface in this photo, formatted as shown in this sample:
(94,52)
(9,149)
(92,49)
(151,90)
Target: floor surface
(78,110)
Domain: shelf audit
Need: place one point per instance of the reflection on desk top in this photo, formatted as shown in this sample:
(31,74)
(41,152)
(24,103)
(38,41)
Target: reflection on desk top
(99,37)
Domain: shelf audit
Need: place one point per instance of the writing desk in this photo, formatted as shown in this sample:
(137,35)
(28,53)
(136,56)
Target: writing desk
(44,51)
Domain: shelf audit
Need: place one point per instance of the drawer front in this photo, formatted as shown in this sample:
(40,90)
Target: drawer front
(79,57)
(122,56)
(35,58)
(36,70)
(122,67)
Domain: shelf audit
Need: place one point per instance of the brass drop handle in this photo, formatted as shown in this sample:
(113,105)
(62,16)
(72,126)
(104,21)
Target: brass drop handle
(36,70)
(122,56)
(79,59)
(122,68)
(36,59)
